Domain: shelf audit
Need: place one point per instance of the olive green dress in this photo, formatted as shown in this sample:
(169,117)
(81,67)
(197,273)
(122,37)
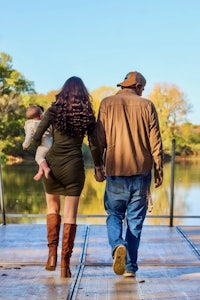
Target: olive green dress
(65,160)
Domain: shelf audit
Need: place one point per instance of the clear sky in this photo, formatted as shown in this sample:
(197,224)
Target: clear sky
(101,41)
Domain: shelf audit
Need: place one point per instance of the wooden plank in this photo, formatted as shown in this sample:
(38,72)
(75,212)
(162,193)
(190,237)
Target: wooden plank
(164,246)
(160,282)
(23,254)
(32,282)
(168,268)
(27,244)
(99,283)
(192,234)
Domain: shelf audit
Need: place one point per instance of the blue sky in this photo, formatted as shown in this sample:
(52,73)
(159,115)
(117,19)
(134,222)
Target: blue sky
(101,41)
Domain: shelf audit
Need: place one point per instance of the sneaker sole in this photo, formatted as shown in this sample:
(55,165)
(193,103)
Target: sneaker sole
(129,274)
(119,260)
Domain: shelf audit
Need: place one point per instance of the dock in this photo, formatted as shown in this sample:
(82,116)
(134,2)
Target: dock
(169,265)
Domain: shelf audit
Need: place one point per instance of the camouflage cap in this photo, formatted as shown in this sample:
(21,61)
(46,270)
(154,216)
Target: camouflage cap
(132,78)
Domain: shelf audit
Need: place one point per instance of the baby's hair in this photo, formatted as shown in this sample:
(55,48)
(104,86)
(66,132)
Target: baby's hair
(33,111)
(41,107)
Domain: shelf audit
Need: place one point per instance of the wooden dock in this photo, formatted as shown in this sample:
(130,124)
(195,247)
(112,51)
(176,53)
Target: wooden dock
(169,265)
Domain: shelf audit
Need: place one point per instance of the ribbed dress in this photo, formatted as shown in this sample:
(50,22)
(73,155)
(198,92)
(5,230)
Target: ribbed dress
(65,159)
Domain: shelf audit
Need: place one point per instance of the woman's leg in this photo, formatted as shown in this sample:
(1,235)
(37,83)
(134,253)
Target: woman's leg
(53,229)
(53,204)
(70,209)
(69,232)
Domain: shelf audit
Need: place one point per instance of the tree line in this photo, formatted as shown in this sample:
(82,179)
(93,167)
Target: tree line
(17,93)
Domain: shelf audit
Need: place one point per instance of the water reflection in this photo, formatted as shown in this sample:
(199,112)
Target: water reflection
(23,195)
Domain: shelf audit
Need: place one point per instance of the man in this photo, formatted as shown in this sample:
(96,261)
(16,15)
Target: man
(129,138)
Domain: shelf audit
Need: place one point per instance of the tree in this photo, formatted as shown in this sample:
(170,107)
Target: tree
(99,94)
(12,81)
(172,107)
(12,85)
(189,138)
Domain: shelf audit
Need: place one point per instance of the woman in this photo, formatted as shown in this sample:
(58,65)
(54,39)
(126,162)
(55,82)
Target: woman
(71,117)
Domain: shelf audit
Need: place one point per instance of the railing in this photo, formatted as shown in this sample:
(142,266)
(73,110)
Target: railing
(171,216)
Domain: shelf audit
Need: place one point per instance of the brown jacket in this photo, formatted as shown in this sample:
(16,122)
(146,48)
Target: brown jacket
(128,132)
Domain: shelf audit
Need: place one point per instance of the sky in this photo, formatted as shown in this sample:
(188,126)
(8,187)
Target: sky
(101,41)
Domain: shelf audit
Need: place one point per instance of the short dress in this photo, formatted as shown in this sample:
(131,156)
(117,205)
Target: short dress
(65,160)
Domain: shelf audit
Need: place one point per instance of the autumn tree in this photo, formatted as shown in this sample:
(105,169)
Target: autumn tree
(97,95)
(188,138)
(100,93)
(172,107)
(12,85)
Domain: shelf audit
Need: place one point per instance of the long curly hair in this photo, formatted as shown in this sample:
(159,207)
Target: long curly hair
(74,114)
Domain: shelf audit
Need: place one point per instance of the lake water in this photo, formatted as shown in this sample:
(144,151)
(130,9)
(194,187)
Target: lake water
(25,200)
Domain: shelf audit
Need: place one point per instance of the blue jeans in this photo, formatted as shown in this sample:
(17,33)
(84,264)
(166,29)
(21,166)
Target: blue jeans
(126,196)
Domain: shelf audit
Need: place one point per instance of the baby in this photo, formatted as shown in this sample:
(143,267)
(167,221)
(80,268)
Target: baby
(34,114)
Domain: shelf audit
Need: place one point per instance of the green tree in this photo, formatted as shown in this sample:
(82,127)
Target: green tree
(188,139)
(12,81)
(172,107)
(12,85)
(100,93)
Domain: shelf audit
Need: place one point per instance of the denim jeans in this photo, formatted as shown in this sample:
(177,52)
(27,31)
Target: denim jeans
(125,196)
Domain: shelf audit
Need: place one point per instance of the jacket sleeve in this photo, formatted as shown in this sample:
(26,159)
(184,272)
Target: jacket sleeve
(42,127)
(155,139)
(100,131)
(94,148)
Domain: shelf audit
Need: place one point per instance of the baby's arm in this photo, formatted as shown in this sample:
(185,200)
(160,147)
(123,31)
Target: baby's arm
(42,127)
(29,132)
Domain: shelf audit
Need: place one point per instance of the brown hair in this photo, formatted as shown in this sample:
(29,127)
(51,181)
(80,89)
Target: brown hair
(33,112)
(74,113)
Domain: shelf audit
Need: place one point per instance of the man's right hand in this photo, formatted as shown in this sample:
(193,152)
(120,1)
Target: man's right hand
(158,177)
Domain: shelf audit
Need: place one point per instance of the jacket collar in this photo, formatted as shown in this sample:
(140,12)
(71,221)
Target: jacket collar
(127,91)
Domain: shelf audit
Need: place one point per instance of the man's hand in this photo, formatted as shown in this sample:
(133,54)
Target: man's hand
(158,177)
(99,174)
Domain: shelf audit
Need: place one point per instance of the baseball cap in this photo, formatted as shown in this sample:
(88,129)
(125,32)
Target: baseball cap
(132,78)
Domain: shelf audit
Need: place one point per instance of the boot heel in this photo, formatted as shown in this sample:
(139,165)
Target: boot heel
(65,272)
(51,263)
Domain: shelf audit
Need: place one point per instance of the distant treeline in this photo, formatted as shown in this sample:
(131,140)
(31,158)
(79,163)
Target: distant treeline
(17,93)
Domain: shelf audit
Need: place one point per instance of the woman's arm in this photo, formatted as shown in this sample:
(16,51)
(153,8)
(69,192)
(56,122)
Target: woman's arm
(96,155)
(42,127)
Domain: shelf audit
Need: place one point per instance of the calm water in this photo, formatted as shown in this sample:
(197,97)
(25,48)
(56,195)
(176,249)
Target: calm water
(23,195)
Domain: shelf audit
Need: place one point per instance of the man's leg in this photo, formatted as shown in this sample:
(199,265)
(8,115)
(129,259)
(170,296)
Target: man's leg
(136,212)
(115,201)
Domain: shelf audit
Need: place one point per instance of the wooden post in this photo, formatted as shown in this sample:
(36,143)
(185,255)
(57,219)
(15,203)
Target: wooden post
(172,184)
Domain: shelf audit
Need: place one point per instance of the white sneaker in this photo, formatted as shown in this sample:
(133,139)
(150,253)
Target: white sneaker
(129,274)
(119,260)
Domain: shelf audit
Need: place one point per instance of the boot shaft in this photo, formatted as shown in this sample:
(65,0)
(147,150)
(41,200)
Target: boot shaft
(53,222)
(53,230)
(69,233)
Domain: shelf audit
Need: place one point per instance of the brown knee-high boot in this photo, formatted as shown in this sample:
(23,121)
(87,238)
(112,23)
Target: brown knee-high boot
(69,232)
(53,229)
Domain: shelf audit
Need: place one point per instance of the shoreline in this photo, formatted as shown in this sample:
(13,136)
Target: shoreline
(11,160)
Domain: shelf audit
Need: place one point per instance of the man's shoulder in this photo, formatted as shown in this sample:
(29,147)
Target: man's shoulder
(109,99)
(119,97)
(148,101)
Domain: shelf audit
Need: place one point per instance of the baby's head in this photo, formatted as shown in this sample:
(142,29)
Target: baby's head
(34,112)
